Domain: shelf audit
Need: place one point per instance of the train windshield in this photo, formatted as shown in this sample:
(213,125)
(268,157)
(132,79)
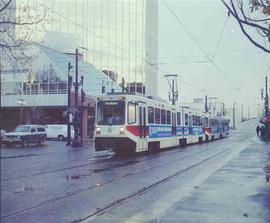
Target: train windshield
(110,112)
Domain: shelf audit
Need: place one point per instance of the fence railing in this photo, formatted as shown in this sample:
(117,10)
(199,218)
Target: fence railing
(23,88)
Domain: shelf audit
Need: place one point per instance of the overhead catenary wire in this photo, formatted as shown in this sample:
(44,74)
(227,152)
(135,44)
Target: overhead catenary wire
(220,37)
(211,61)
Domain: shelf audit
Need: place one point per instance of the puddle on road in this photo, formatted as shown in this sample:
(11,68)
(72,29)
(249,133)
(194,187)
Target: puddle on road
(90,172)
(117,165)
(19,156)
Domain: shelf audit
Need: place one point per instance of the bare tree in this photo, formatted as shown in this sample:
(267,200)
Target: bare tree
(252,15)
(16,34)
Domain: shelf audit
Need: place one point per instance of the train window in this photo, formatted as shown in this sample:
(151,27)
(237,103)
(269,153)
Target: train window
(168,117)
(157,115)
(110,112)
(186,119)
(178,118)
(213,122)
(194,120)
(200,121)
(150,115)
(163,116)
(131,113)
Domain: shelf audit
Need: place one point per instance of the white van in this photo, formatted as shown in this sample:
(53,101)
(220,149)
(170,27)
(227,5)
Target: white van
(58,131)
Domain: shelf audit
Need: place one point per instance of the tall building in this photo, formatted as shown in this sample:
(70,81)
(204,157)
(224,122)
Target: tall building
(119,36)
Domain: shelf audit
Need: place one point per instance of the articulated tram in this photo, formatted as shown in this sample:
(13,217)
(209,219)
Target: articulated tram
(135,123)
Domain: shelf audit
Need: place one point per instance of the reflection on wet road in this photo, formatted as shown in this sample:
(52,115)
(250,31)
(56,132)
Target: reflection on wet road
(59,184)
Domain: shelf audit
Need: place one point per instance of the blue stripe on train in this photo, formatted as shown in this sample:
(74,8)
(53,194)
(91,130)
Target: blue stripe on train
(217,130)
(159,131)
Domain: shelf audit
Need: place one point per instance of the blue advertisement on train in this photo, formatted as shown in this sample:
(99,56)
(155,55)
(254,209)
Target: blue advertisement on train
(159,131)
(197,131)
(214,130)
(179,131)
(186,131)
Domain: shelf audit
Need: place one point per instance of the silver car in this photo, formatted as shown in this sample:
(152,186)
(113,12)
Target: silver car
(24,135)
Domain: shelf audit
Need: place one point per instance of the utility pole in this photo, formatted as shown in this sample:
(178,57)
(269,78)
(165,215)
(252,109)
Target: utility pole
(173,94)
(123,85)
(173,87)
(234,116)
(266,103)
(213,103)
(82,101)
(21,102)
(242,113)
(69,113)
(76,142)
(206,105)
(266,107)
(248,113)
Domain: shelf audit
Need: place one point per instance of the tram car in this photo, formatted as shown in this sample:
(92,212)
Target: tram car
(135,123)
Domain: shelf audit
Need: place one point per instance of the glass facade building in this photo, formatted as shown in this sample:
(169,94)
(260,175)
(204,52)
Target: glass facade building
(116,36)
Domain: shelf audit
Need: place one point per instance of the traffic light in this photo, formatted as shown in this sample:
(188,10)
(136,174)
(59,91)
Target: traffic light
(103,89)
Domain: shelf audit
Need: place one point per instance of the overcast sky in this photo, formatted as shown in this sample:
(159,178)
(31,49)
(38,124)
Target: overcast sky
(243,66)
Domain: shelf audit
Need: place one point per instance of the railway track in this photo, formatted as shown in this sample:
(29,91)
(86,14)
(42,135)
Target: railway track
(142,190)
(137,193)
(109,158)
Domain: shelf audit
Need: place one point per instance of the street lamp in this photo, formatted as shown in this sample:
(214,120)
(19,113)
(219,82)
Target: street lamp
(77,84)
(21,102)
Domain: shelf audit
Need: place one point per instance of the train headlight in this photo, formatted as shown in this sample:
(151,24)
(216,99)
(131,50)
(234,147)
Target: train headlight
(122,130)
(98,130)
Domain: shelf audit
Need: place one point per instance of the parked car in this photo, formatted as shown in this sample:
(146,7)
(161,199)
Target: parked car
(58,131)
(24,135)
(3,132)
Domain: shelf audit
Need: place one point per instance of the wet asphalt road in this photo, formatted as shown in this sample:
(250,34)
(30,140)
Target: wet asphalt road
(221,181)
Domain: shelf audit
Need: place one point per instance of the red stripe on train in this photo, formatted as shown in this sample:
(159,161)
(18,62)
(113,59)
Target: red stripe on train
(135,130)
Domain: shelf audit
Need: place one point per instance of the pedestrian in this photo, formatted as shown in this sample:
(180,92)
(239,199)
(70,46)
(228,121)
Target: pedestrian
(262,132)
(258,130)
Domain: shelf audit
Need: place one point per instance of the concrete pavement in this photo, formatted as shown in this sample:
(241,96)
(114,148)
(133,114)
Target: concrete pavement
(221,181)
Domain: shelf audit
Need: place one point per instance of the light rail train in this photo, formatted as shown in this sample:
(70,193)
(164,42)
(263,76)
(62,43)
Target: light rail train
(136,123)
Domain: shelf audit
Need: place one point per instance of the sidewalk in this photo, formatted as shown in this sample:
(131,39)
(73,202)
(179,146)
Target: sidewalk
(238,192)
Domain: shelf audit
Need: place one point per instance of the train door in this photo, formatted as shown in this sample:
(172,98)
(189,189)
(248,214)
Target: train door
(142,141)
(174,130)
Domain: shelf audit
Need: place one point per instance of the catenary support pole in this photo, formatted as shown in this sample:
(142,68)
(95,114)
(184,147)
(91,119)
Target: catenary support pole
(69,114)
